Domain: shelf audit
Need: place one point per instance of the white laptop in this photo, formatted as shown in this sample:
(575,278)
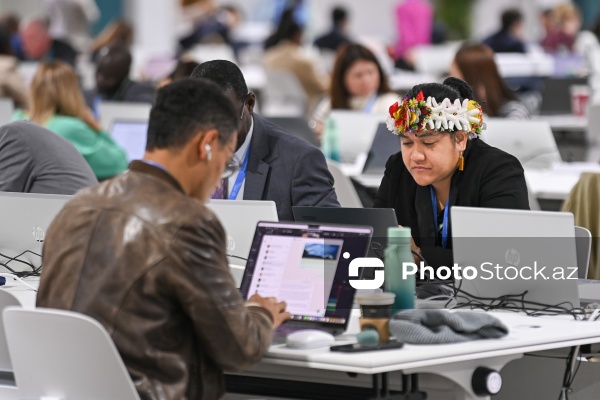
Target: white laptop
(239,218)
(110,111)
(518,241)
(25,217)
(356,131)
(131,136)
(531,142)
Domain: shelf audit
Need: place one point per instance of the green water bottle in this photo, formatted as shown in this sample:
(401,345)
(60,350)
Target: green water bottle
(330,144)
(398,252)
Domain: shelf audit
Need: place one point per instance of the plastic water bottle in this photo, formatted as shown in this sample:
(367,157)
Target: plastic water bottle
(330,145)
(397,252)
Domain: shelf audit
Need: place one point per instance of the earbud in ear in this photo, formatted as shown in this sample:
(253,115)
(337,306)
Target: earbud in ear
(208,152)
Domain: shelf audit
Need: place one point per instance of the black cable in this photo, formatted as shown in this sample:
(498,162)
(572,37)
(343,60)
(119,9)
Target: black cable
(240,258)
(16,258)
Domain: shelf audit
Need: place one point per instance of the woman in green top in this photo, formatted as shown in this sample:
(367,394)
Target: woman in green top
(56,103)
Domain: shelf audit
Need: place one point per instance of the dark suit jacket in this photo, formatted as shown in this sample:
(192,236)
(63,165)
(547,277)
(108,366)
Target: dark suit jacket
(331,41)
(504,42)
(286,170)
(491,178)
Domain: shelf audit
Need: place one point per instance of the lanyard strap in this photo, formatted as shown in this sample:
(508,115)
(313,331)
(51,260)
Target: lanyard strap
(369,105)
(240,177)
(434,204)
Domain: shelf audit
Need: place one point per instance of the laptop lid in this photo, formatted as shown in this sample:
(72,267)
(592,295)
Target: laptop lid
(297,126)
(385,144)
(380,219)
(307,267)
(131,136)
(517,252)
(239,219)
(556,95)
(356,131)
(25,219)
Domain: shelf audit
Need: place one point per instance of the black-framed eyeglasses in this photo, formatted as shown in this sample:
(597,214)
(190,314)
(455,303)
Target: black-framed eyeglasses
(231,168)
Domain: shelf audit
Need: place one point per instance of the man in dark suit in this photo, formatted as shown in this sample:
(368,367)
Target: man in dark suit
(337,36)
(508,39)
(278,166)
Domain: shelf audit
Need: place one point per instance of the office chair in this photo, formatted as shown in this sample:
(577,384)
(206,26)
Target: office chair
(60,354)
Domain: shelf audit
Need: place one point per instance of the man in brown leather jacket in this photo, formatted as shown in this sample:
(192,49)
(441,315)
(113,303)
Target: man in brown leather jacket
(143,255)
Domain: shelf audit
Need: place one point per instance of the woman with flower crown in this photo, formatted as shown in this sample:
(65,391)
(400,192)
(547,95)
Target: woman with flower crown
(443,163)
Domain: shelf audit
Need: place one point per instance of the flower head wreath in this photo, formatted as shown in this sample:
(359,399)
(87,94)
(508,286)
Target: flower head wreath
(417,114)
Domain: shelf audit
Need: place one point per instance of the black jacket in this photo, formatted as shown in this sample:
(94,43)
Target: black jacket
(491,178)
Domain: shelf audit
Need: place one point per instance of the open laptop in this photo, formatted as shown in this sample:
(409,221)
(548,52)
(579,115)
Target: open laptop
(556,95)
(356,131)
(307,267)
(131,136)
(515,240)
(531,142)
(385,144)
(239,218)
(111,111)
(25,218)
(380,219)
(297,126)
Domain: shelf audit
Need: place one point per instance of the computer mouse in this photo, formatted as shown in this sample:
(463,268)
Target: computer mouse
(309,339)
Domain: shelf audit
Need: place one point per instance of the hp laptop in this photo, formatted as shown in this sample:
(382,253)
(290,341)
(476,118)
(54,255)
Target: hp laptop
(131,136)
(380,219)
(385,144)
(508,247)
(25,218)
(239,218)
(307,267)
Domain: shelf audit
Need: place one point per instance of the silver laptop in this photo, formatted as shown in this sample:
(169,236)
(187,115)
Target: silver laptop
(131,136)
(25,217)
(110,111)
(508,247)
(356,131)
(385,144)
(531,142)
(239,218)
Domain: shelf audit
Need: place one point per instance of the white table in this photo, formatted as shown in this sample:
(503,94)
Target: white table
(23,293)
(455,362)
(556,183)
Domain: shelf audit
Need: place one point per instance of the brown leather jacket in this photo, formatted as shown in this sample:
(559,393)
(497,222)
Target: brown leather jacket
(149,263)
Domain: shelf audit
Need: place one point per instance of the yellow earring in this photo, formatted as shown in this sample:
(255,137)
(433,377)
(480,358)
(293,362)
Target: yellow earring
(461,162)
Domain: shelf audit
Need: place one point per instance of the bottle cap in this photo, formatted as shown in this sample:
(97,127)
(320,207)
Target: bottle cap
(399,232)
(375,299)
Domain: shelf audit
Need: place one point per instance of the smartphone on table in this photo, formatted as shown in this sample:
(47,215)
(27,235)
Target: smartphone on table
(357,347)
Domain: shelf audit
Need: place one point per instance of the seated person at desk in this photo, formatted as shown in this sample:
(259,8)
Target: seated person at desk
(143,255)
(56,103)
(275,165)
(36,160)
(443,163)
(358,83)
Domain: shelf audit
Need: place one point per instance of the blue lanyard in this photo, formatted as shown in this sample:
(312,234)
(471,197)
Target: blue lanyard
(369,106)
(434,204)
(240,177)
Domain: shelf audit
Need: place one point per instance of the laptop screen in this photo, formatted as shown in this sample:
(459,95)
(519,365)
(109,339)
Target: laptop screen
(385,144)
(131,136)
(307,267)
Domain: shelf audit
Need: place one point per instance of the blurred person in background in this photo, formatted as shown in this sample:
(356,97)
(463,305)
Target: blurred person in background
(10,23)
(112,79)
(566,22)
(35,40)
(69,26)
(414,26)
(55,102)
(357,83)
(118,32)
(339,31)
(475,64)
(213,28)
(12,84)
(510,37)
(287,55)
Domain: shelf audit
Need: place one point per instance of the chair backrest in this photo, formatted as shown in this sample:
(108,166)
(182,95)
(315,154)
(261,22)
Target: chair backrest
(283,95)
(583,247)
(344,189)
(531,142)
(6,300)
(64,355)
(111,111)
